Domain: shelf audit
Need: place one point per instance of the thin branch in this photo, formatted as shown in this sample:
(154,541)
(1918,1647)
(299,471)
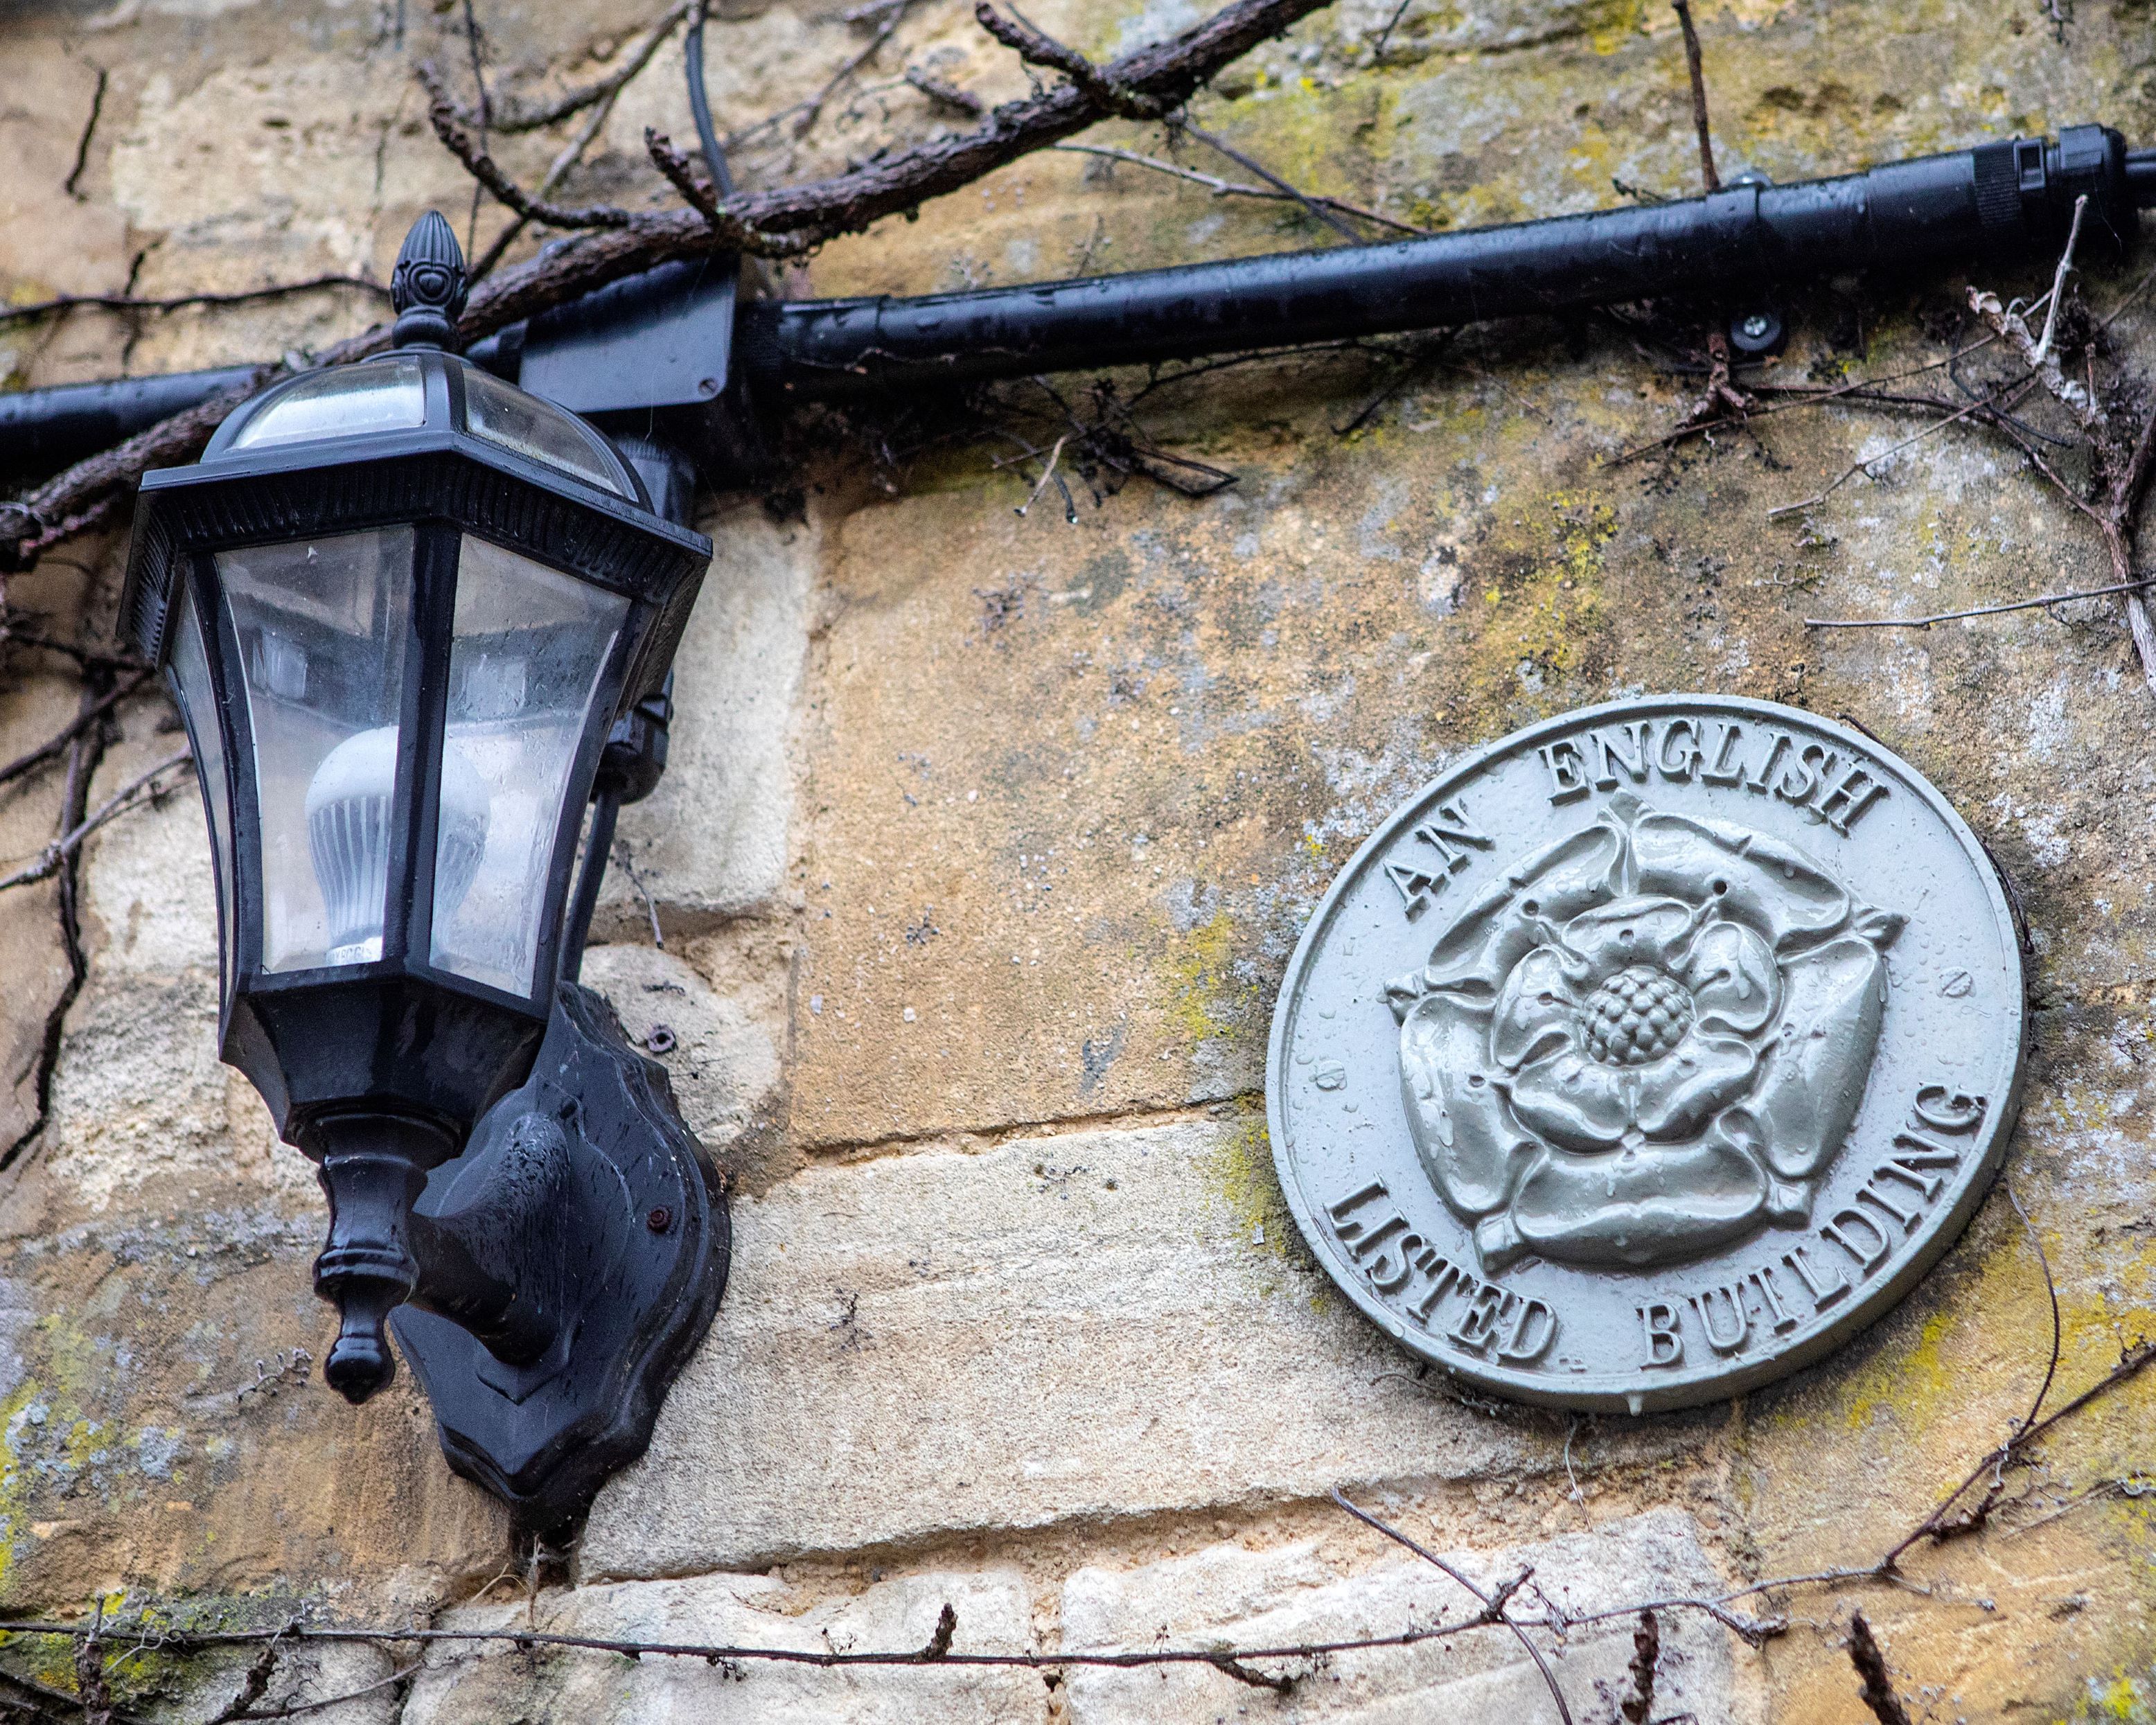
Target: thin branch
(507,115)
(805,113)
(251,1688)
(178,302)
(1698,74)
(1392,23)
(1878,1692)
(1235,188)
(2042,599)
(572,153)
(943,90)
(2059,283)
(1048,473)
(1036,46)
(442,115)
(48,861)
(1314,205)
(699,193)
(1638,1707)
(51,746)
(2013,392)
(1493,1601)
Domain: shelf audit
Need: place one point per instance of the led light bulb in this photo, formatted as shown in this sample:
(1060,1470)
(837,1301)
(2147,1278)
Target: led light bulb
(348,806)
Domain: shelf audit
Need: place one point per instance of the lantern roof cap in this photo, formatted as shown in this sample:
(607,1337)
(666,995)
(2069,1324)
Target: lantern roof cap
(340,408)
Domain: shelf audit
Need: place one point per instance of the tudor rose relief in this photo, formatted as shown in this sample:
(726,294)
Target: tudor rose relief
(1687,1073)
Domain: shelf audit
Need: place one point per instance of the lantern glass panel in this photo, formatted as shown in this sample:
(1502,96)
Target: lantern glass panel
(323,626)
(528,650)
(523,422)
(188,670)
(345,401)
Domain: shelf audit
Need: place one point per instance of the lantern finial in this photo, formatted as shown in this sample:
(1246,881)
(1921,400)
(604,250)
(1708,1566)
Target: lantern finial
(427,286)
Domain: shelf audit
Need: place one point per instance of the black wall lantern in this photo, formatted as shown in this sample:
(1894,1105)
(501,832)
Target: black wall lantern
(404,605)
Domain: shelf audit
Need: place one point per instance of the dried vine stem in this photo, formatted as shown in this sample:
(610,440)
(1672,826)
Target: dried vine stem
(182,302)
(1230,189)
(1494,1601)
(509,114)
(48,861)
(1167,72)
(1697,75)
(1878,1691)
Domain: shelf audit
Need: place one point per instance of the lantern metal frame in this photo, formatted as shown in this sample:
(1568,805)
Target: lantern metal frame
(505,1168)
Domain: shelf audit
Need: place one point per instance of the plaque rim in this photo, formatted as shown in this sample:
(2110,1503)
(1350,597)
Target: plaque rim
(1708,1385)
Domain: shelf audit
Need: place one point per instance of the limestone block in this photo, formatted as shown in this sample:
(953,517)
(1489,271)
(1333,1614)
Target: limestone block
(149,893)
(138,1089)
(324,1683)
(1091,1326)
(1228,1596)
(34,957)
(992,1608)
(720,1051)
(57,243)
(711,842)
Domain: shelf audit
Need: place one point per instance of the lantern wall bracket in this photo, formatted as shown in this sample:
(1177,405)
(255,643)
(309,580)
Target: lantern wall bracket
(583,1220)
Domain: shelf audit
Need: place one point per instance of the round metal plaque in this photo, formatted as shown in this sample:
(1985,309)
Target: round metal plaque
(1650,1053)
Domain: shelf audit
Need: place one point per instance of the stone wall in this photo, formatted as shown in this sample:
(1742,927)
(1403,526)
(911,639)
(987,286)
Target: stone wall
(984,842)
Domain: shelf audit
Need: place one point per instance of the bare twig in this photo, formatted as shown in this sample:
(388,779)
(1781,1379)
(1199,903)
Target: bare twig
(1036,48)
(1698,76)
(2011,394)
(89,1674)
(1493,1601)
(948,94)
(507,115)
(939,1643)
(48,861)
(1048,473)
(2059,283)
(572,153)
(179,302)
(699,193)
(1878,1692)
(1316,207)
(1808,396)
(91,714)
(624,854)
(804,113)
(1638,1707)
(442,115)
(2042,599)
(1232,188)
(251,1688)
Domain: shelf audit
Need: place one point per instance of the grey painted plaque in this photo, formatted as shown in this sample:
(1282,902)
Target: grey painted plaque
(1650,1053)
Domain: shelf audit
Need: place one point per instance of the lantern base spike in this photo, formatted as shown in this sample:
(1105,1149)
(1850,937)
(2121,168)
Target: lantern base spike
(372,1167)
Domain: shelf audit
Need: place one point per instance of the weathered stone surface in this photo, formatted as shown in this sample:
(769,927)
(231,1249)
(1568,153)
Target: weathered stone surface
(994,1612)
(1103,1324)
(712,840)
(139,1096)
(720,1051)
(1227,1595)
